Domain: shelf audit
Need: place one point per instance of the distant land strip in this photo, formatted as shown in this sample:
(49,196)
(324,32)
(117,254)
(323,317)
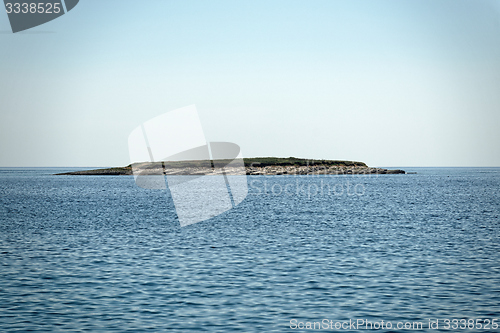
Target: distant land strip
(253,166)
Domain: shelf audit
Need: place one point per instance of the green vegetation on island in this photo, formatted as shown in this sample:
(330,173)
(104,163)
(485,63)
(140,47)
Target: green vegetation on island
(253,166)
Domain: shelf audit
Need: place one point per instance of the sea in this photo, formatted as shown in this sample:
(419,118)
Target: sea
(357,253)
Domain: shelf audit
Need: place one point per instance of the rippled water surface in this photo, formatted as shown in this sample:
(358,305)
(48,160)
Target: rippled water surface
(97,253)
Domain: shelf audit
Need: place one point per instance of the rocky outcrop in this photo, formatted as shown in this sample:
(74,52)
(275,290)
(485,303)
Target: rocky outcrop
(319,170)
(253,166)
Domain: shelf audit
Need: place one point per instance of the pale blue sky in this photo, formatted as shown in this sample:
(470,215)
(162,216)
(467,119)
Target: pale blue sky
(389,83)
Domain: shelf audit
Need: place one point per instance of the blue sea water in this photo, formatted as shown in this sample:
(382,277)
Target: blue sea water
(97,253)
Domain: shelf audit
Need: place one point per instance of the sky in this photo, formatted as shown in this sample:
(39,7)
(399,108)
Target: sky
(388,83)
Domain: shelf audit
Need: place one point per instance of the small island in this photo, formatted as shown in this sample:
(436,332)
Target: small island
(252,166)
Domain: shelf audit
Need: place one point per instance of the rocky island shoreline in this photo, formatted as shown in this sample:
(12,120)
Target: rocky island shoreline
(267,166)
